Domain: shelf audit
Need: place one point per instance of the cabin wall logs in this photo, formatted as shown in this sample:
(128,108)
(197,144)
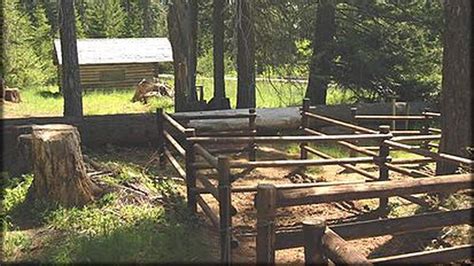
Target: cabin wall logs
(115,75)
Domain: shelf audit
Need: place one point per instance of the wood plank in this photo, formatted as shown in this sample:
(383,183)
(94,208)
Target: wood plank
(346,166)
(434,130)
(235,133)
(405,132)
(285,163)
(175,164)
(402,225)
(253,189)
(175,144)
(433,114)
(340,251)
(433,145)
(174,123)
(388,226)
(339,123)
(229,150)
(211,159)
(406,171)
(208,211)
(209,186)
(412,160)
(434,155)
(445,183)
(416,138)
(211,116)
(390,117)
(277,139)
(439,256)
(344,143)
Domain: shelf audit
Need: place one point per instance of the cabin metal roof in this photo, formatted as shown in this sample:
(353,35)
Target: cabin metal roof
(119,51)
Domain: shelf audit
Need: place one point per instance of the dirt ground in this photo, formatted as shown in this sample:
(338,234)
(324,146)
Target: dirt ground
(244,222)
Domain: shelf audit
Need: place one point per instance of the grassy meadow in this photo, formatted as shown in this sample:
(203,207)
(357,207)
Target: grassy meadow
(47,101)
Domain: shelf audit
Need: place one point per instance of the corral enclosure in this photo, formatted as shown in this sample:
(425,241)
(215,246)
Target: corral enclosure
(117,63)
(212,157)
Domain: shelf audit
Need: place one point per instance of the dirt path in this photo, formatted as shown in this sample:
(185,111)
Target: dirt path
(245,220)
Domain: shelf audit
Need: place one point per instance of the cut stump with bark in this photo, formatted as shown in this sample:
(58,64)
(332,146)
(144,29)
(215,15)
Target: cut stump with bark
(23,159)
(58,166)
(12,95)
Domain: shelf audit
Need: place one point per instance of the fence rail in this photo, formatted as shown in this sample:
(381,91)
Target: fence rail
(294,237)
(269,198)
(202,149)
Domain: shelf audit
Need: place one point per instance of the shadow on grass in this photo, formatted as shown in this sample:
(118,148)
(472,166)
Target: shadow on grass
(172,236)
(50,94)
(29,214)
(175,237)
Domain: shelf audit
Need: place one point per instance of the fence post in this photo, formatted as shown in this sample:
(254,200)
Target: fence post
(253,128)
(304,124)
(407,113)
(313,232)
(161,137)
(425,130)
(393,99)
(225,218)
(266,202)
(383,157)
(352,153)
(190,170)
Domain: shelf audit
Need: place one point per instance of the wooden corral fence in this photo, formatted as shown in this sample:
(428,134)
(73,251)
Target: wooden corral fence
(172,133)
(425,121)
(322,243)
(202,153)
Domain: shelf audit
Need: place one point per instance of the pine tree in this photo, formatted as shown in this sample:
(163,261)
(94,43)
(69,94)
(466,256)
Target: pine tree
(80,29)
(133,19)
(105,19)
(43,43)
(23,67)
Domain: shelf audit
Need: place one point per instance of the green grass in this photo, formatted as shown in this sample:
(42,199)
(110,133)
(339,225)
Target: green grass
(109,230)
(46,100)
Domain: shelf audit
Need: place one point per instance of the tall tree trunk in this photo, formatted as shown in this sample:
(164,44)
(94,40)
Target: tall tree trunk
(147,19)
(70,84)
(321,61)
(245,55)
(192,45)
(2,39)
(219,101)
(456,93)
(182,29)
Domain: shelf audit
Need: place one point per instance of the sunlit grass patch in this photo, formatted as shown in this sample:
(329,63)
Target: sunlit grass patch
(47,101)
(14,244)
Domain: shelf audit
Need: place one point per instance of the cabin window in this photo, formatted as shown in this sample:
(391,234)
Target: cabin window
(112,75)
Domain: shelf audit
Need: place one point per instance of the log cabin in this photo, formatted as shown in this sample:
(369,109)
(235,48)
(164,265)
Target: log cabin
(117,62)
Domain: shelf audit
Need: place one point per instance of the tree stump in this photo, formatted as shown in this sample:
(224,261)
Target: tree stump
(2,86)
(12,95)
(24,163)
(58,166)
